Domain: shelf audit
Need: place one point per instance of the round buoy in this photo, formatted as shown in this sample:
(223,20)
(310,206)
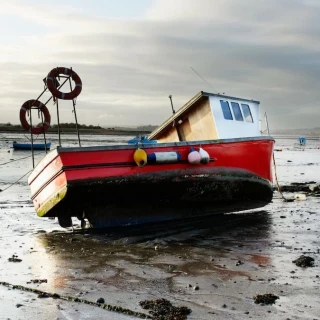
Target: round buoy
(205,158)
(140,157)
(194,157)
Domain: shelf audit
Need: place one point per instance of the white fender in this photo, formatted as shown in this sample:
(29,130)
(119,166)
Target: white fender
(205,158)
(194,157)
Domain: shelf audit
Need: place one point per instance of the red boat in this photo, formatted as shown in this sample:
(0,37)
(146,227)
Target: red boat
(180,177)
(106,186)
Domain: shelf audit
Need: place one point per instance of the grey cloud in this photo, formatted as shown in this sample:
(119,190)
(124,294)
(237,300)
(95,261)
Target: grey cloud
(265,50)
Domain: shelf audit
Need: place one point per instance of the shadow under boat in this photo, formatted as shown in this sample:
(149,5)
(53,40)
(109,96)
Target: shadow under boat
(256,223)
(133,201)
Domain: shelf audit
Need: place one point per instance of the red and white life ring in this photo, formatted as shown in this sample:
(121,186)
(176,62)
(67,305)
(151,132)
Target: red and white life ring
(61,95)
(47,118)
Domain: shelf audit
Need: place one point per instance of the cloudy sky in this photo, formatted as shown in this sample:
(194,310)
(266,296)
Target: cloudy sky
(131,54)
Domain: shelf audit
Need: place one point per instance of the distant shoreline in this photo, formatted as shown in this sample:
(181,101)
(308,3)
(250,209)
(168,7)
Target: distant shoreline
(119,132)
(134,132)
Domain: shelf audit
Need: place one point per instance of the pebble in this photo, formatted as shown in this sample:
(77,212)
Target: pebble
(100,300)
(239,263)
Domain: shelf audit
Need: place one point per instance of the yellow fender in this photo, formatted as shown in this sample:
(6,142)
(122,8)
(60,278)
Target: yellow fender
(140,157)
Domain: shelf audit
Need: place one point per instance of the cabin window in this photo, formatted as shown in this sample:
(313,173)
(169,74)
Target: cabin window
(226,110)
(236,111)
(247,113)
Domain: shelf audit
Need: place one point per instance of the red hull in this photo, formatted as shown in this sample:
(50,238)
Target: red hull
(74,181)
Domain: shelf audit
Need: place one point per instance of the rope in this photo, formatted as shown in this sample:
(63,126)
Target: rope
(35,137)
(1,164)
(277,182)
(109,307)
(1,190)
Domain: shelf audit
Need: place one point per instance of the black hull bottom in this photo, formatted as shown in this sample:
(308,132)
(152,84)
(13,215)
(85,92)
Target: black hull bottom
(133,201)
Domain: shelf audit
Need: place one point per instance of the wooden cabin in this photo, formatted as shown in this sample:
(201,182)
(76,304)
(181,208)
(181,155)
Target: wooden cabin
(210,116)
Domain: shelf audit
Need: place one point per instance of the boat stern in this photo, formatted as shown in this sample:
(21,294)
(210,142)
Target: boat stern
(48,184)
(44,206)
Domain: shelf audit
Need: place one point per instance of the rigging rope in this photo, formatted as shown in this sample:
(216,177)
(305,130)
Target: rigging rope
(1,164)
(1,190)
(277,182)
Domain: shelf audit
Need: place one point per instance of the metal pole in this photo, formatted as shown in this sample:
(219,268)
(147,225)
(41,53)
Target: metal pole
(265,115)
(57,88)
(170,97)
(173,123)
(57,101)
(41,94)
(75,114)
(44,134)
(58,108)
(31,137)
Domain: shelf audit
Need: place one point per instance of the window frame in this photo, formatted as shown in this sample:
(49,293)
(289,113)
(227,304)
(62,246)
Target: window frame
(235,108)
(223,105)
(250,113)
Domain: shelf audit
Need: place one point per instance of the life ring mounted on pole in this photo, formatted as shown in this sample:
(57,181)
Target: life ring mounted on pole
(23,119)
(61,95)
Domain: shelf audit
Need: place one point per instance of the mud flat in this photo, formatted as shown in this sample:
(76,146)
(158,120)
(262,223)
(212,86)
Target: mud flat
(216,267)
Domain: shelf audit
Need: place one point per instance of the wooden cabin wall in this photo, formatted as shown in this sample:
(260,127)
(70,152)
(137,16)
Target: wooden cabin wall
(170,136)
(199,123)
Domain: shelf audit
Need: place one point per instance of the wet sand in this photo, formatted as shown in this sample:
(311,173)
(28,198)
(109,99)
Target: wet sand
(213,266)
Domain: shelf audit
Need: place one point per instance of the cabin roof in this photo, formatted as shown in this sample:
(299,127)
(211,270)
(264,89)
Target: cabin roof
(188,106)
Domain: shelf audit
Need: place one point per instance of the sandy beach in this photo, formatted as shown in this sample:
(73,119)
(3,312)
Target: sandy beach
(214,266)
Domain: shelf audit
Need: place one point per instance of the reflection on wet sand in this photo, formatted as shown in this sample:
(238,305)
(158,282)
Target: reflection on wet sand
(159,251)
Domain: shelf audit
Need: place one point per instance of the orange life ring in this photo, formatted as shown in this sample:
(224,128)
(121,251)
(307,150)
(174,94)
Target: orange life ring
(47,118)
(61,95)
